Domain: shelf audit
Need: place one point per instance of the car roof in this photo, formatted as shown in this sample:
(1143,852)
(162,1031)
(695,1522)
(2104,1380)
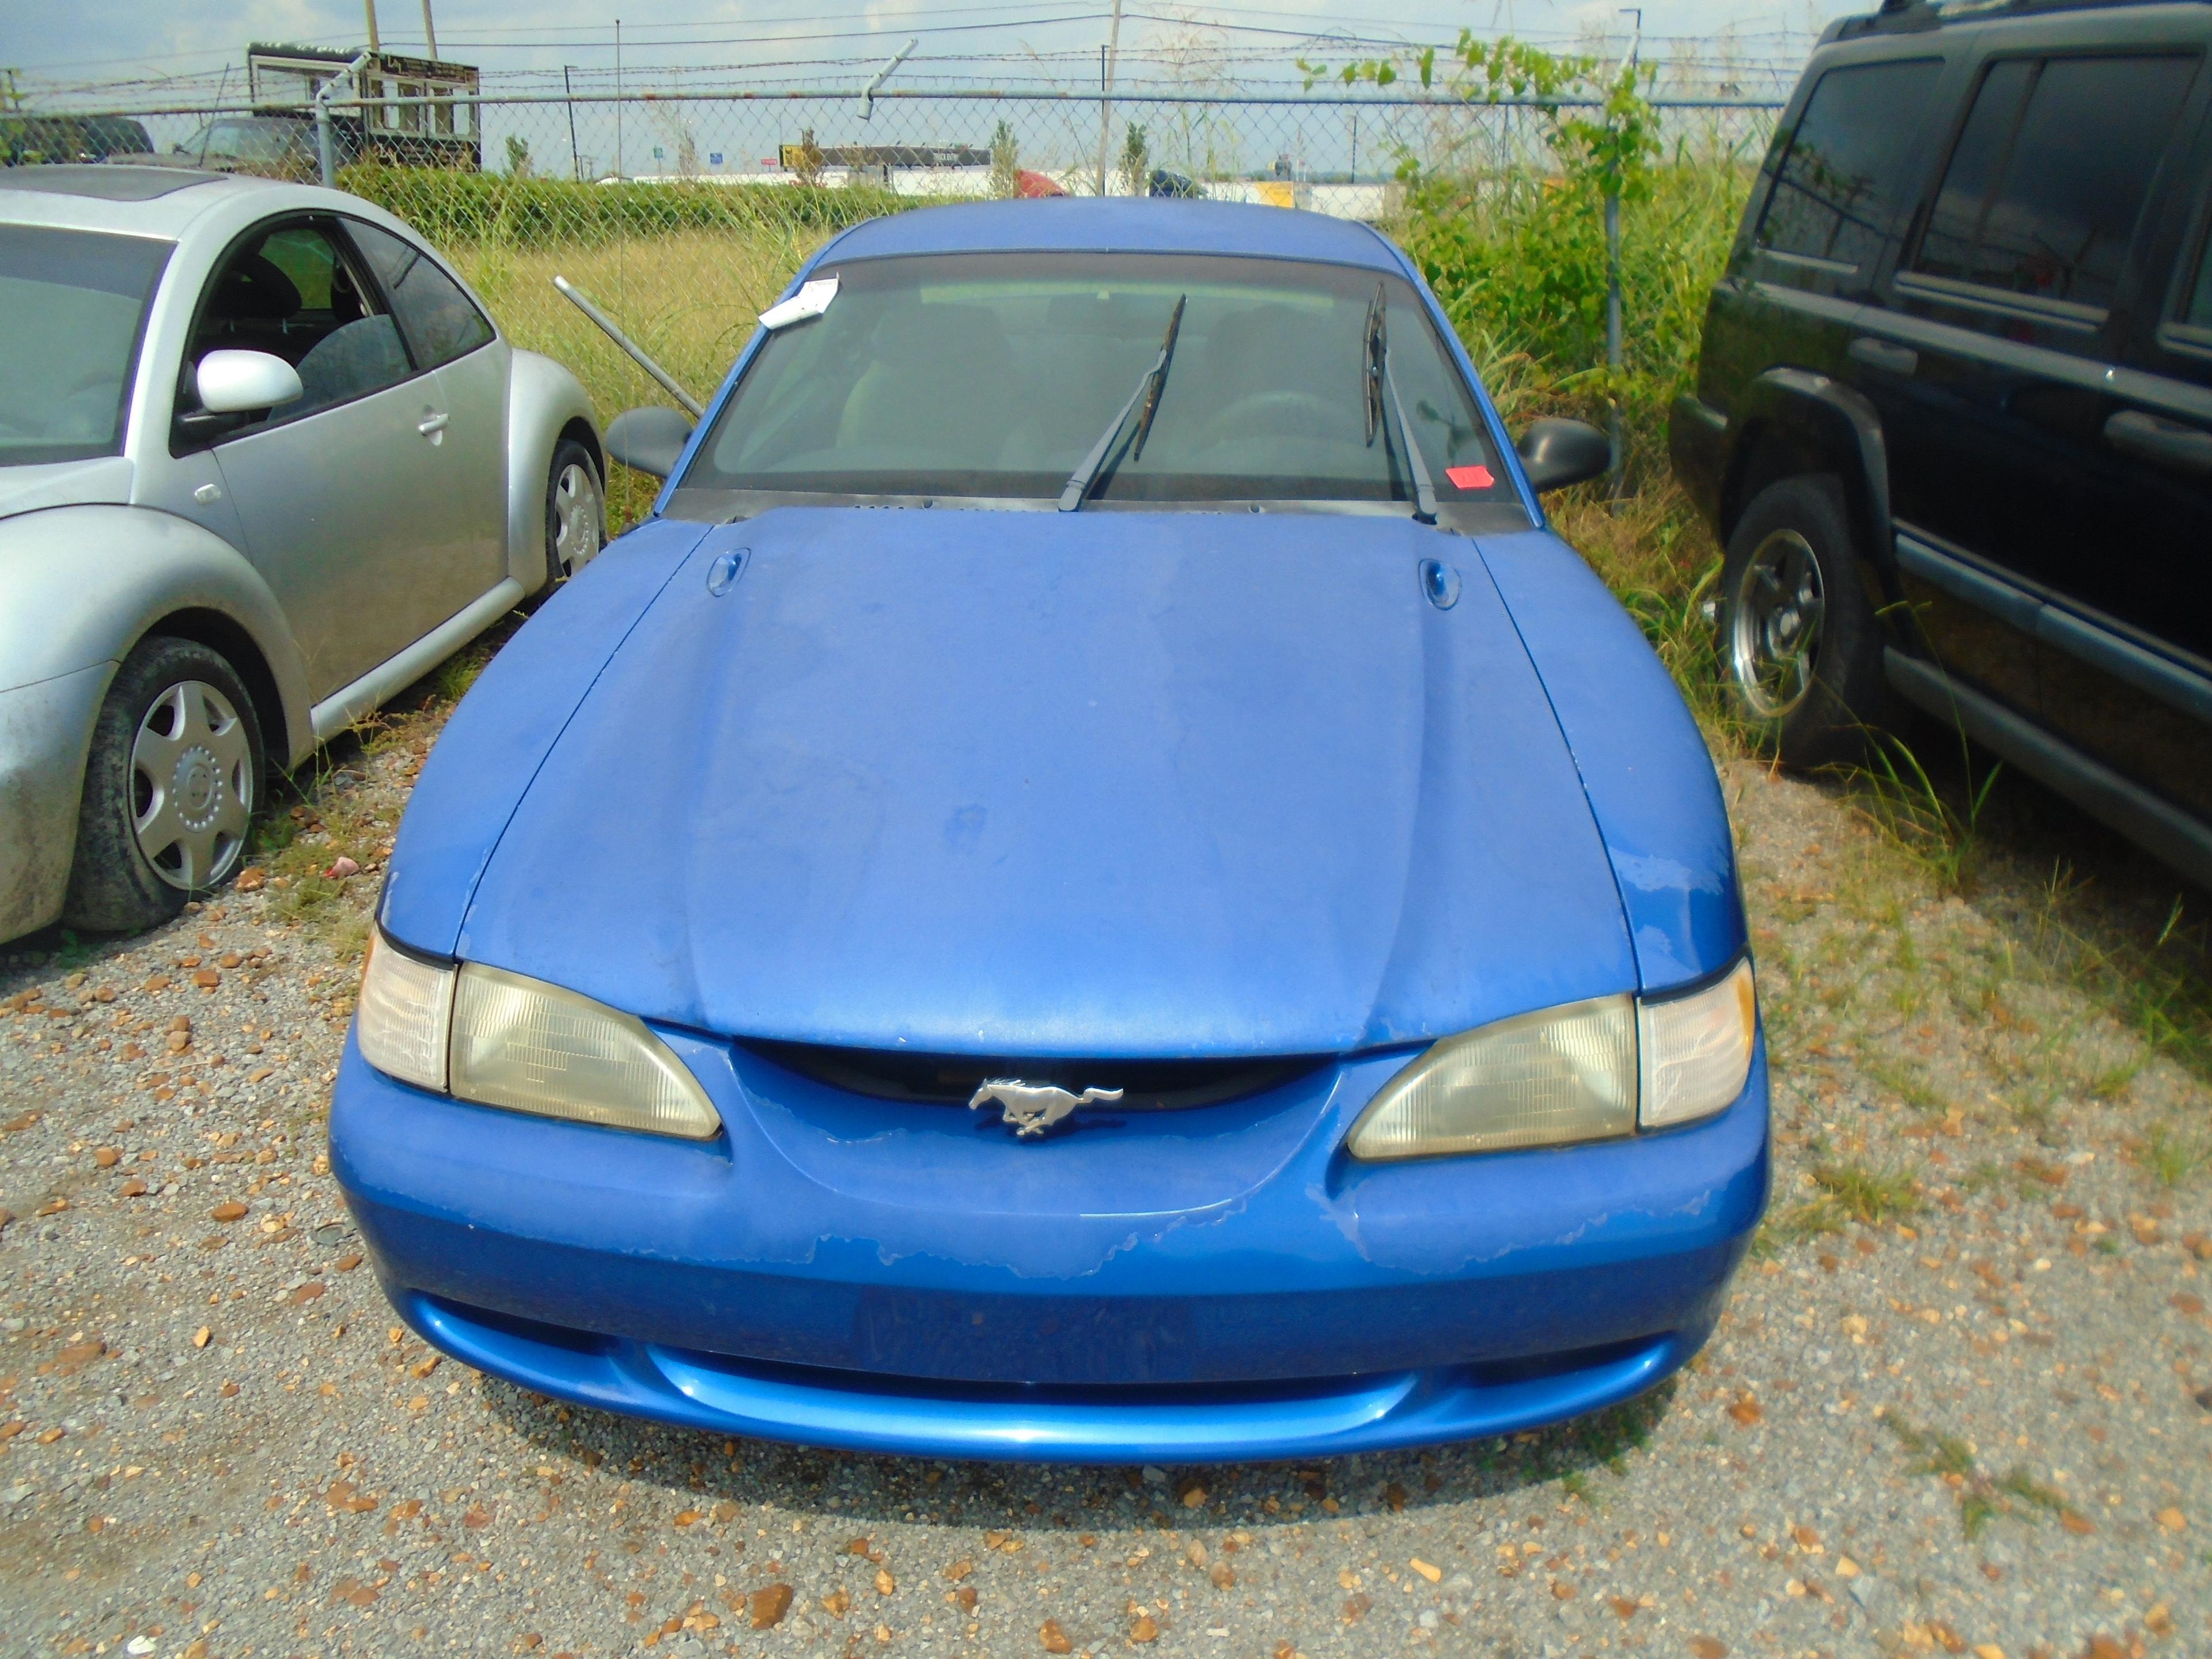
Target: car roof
(136,200)
(1117,225)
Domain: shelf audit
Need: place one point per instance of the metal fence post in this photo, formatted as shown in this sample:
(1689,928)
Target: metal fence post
(323,156)
(1612,329)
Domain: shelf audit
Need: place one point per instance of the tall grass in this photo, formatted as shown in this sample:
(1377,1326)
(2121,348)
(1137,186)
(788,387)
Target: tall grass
(1518,260)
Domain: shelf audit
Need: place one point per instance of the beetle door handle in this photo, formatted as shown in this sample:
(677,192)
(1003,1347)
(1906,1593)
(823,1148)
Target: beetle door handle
(1881,355)
(2160,441)
(430,425)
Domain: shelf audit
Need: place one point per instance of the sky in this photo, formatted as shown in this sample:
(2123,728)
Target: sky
(58,50)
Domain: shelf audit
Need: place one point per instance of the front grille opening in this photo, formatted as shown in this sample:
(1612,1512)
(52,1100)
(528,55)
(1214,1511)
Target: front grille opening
(1147,1085)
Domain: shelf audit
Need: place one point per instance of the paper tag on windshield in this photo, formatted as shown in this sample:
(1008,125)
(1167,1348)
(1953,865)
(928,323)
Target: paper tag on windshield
(812,301)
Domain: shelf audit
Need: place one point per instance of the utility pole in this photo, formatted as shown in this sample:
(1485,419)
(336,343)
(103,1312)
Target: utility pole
(1108,56)
(568,87)
(374,46)
(430,28)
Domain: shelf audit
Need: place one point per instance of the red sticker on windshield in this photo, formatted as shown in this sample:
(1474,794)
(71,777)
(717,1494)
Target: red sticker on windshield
(1469,478)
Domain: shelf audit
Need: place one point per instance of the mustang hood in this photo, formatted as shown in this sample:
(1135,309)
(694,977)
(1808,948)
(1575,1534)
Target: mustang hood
(1096,784)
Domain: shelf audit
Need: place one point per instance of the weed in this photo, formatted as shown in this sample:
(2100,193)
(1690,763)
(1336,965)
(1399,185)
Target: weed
(1794,1226)
(1981,1499)
(1872,1196)
(453,677)
(2174,1157)
(1896,794)
(74,953)
(1908,1081)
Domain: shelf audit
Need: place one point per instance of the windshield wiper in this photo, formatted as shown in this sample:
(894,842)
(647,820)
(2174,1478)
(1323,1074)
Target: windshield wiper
(1383,405)
(1077,487)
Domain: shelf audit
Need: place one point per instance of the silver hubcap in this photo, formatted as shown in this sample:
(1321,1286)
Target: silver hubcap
(1774,640)
(578,517)
(191,785)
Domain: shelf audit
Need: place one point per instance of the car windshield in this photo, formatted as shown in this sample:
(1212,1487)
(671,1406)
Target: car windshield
(994,375)
(76,305)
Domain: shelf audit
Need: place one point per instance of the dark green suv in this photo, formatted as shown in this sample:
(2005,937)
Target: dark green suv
(1954,419)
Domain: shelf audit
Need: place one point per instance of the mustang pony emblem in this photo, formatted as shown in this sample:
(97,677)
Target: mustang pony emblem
(1033,1108)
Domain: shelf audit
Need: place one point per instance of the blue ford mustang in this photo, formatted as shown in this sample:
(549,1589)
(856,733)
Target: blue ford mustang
(1094,884)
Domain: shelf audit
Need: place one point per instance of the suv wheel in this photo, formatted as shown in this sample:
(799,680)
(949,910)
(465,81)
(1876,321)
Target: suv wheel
(1800,647)
(169,788)
(575,511)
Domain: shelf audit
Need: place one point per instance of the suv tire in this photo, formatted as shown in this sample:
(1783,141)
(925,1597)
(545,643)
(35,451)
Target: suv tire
(575,512)
(1799,646)
(169,788)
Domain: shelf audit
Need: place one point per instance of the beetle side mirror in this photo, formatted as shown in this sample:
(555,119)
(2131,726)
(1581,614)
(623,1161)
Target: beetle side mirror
(648,440)
(244,382)
(1556,453)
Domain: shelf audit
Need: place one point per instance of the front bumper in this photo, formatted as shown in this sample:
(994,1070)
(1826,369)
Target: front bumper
(1207,1284)
(45,731)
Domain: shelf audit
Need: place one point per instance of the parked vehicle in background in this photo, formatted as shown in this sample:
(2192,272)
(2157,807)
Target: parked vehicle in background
(1953,420)
(263,461)
(266,147)
(30,140)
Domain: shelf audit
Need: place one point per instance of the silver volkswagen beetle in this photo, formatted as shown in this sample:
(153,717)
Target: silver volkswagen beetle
(263,462)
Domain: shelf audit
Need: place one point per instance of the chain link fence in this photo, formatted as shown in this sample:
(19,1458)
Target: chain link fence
(684,214)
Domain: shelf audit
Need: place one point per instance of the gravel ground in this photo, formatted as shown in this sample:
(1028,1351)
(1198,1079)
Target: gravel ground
(1954,1406)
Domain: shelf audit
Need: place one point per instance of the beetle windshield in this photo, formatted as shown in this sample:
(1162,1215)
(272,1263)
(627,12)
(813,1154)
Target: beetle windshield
(75,303)
(994,375)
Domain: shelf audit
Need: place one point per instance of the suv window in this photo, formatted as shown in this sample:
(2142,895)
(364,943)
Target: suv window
(291,292)
(1837,190)
(441,323)
(2031,206)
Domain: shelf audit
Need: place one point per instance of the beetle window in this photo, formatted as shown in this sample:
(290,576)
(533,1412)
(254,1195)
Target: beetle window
(291,292)
(2028,208)
(441,324)
(994,374)
(1839,185)
(75,302)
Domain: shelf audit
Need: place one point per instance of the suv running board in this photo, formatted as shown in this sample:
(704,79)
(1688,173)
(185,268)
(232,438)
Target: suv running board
(2161,829)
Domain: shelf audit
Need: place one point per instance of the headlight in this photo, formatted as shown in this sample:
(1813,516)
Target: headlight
(406,1005)
(1588,1071)
(1696,1050)
(500,1039)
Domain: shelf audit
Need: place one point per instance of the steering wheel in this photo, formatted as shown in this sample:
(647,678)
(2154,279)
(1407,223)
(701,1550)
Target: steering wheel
(1279,413)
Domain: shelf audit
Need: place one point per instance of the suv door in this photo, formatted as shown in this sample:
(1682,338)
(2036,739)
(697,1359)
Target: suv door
(1991,360)
(447,334)
(338,493)
(2127,637)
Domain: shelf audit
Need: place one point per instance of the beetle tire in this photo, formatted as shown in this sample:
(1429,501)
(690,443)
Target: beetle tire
(114,888)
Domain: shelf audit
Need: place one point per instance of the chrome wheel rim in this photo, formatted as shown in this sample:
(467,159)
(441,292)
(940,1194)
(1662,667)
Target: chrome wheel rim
(1774,635)
(578,516)
(191,785)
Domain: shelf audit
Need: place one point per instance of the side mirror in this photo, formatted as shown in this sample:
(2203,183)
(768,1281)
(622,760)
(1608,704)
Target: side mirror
(238,382)
(1556,453)
(648,440)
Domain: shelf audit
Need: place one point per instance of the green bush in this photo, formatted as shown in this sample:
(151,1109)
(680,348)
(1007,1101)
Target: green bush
(1518,260)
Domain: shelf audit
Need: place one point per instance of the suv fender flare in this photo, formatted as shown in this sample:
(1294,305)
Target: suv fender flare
(1797,420)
